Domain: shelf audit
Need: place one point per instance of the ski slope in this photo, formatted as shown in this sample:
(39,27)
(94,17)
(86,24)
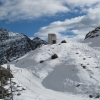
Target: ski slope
(74,75)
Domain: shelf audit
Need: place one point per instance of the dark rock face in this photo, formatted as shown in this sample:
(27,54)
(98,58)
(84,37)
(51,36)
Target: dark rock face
(90,96)
(37,42)
(6,75)
(98,96)
(93,33)
(15,45)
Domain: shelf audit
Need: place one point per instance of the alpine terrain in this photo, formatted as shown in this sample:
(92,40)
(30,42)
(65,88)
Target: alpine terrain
(15,45)
(62,71)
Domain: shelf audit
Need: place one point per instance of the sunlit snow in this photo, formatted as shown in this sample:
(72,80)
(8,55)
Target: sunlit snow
(74,75)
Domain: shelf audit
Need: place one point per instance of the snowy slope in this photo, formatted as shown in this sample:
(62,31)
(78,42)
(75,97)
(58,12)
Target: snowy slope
(74,75)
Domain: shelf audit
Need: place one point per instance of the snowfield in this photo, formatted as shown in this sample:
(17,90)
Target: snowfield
(74,75)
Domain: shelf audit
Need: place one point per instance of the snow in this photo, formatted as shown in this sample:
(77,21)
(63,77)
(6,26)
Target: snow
(93,42)
(31,38)
(12,34)
(15,36)
(64,78)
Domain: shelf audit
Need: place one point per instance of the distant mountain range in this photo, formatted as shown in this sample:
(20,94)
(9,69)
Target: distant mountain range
(15,45)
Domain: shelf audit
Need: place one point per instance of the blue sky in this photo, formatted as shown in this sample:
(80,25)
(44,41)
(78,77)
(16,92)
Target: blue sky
(70,20)
(29,27)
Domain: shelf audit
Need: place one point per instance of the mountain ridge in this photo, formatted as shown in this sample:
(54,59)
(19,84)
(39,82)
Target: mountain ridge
(14,45)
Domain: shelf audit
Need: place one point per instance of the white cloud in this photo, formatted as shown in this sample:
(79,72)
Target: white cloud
(59,27)
(14,10)
(79,26)
(31,9)
(82,3)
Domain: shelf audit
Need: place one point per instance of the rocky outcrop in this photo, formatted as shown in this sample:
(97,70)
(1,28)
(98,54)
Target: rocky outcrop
(93,33)
(54,56)
(63,41)
(37,42)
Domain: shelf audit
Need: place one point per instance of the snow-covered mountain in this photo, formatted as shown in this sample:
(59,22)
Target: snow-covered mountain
(93,37)
(74,75)
(15,45)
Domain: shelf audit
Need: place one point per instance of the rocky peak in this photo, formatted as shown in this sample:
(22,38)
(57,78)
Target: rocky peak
(93,33)
(14,45)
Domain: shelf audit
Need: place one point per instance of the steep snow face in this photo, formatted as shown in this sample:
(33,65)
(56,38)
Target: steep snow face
(93,37)
(75,71)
